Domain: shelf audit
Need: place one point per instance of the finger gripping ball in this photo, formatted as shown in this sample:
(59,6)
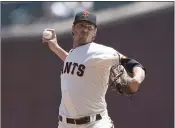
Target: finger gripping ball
(47,34)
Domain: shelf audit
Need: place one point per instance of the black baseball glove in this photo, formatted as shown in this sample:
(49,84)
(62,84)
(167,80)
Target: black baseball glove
(119,80)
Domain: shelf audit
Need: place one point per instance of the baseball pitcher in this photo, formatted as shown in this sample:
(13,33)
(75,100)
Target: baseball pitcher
(89,69)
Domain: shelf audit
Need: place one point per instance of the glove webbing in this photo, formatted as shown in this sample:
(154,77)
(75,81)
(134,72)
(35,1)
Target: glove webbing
(117,76)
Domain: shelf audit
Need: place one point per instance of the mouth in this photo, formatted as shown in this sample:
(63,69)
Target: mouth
(83,35)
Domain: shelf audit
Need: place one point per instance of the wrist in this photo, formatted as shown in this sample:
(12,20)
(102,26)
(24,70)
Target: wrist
(133,84)
(56,48)
(138,79)
(139,74)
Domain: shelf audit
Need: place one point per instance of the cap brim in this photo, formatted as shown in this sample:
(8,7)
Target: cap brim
(85,21)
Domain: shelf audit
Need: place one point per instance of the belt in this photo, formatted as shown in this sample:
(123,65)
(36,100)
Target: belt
(82,120)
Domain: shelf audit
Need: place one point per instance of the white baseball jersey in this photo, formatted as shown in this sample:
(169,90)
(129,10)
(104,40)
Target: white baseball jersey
(84,79)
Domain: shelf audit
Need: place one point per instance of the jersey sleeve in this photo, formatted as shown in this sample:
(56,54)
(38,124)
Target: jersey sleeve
(107,59)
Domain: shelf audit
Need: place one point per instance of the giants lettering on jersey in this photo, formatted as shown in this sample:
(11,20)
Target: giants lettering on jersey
(70,68)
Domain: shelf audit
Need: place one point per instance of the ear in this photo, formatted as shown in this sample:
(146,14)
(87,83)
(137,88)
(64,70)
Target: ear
(95,32)
(73,26)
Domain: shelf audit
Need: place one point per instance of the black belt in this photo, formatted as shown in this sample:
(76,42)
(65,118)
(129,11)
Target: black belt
(82,120)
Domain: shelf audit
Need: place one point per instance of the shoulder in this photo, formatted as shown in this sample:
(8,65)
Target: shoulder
(103,48)
(103,55)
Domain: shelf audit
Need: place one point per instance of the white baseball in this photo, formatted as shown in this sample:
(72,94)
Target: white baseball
(47,34)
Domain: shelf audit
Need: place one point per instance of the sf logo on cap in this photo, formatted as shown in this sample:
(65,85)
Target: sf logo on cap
(85,14)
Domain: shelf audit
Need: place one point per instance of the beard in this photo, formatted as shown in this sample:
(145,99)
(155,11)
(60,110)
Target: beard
(84,38)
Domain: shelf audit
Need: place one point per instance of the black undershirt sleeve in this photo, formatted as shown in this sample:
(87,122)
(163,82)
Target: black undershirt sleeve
(129,64)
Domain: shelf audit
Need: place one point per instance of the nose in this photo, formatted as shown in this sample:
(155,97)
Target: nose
(85,30)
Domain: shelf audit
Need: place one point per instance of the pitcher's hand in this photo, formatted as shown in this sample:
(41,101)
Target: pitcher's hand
(52,43)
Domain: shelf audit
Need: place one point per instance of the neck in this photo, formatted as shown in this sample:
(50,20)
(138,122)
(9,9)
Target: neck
(76,44)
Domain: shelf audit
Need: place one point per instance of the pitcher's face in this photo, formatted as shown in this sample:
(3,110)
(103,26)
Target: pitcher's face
(84,32)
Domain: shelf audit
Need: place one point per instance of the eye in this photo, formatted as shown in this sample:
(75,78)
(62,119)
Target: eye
(90,27)
(80,25)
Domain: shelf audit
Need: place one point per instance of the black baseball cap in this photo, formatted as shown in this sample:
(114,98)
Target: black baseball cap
(85,16)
